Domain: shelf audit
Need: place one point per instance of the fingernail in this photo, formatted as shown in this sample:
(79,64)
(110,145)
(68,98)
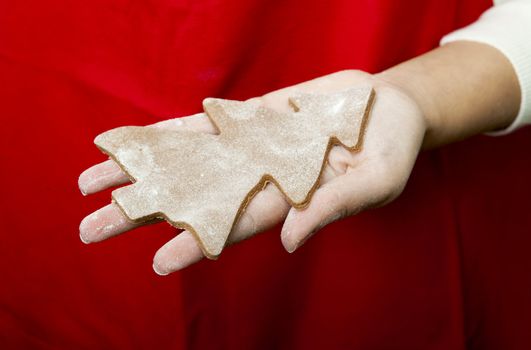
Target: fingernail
(83,239)
(286,233)
(290,248)
(292,214)
(80,186)
(294,246)
(287,241)
(159,272)
(82,233)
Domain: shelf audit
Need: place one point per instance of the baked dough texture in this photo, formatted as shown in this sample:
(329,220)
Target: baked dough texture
(202,182)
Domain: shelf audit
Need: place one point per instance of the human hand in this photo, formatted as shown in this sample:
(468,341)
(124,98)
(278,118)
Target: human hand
(350,182)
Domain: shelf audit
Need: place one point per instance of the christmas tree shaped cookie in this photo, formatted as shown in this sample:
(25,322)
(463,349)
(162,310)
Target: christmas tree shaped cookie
(202,182)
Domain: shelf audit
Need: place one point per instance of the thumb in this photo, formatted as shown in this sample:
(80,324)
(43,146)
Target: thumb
(341,197)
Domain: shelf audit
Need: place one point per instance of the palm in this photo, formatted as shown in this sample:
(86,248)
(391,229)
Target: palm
(350,183)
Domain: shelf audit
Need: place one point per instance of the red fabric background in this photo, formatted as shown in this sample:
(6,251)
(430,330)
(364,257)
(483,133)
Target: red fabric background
(444,267)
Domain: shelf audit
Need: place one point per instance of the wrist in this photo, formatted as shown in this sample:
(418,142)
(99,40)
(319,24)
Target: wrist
(462,88)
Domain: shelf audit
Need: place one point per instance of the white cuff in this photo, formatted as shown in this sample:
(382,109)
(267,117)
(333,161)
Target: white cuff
(506,27)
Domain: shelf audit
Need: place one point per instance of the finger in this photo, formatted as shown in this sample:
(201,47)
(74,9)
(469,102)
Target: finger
(343,196)
(106,222)
(100,177)
(178,253)
(264,211)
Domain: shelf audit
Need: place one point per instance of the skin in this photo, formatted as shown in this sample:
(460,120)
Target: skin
(446,95)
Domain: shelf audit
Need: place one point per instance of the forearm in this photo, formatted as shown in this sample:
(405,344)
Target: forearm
(463,88)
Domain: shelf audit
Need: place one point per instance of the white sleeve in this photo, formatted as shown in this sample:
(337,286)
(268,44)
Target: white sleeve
(507,27)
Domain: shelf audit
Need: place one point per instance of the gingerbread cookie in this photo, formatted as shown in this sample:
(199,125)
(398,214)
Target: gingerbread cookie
(202,182)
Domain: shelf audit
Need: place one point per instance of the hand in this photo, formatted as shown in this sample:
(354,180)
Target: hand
(351,182)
